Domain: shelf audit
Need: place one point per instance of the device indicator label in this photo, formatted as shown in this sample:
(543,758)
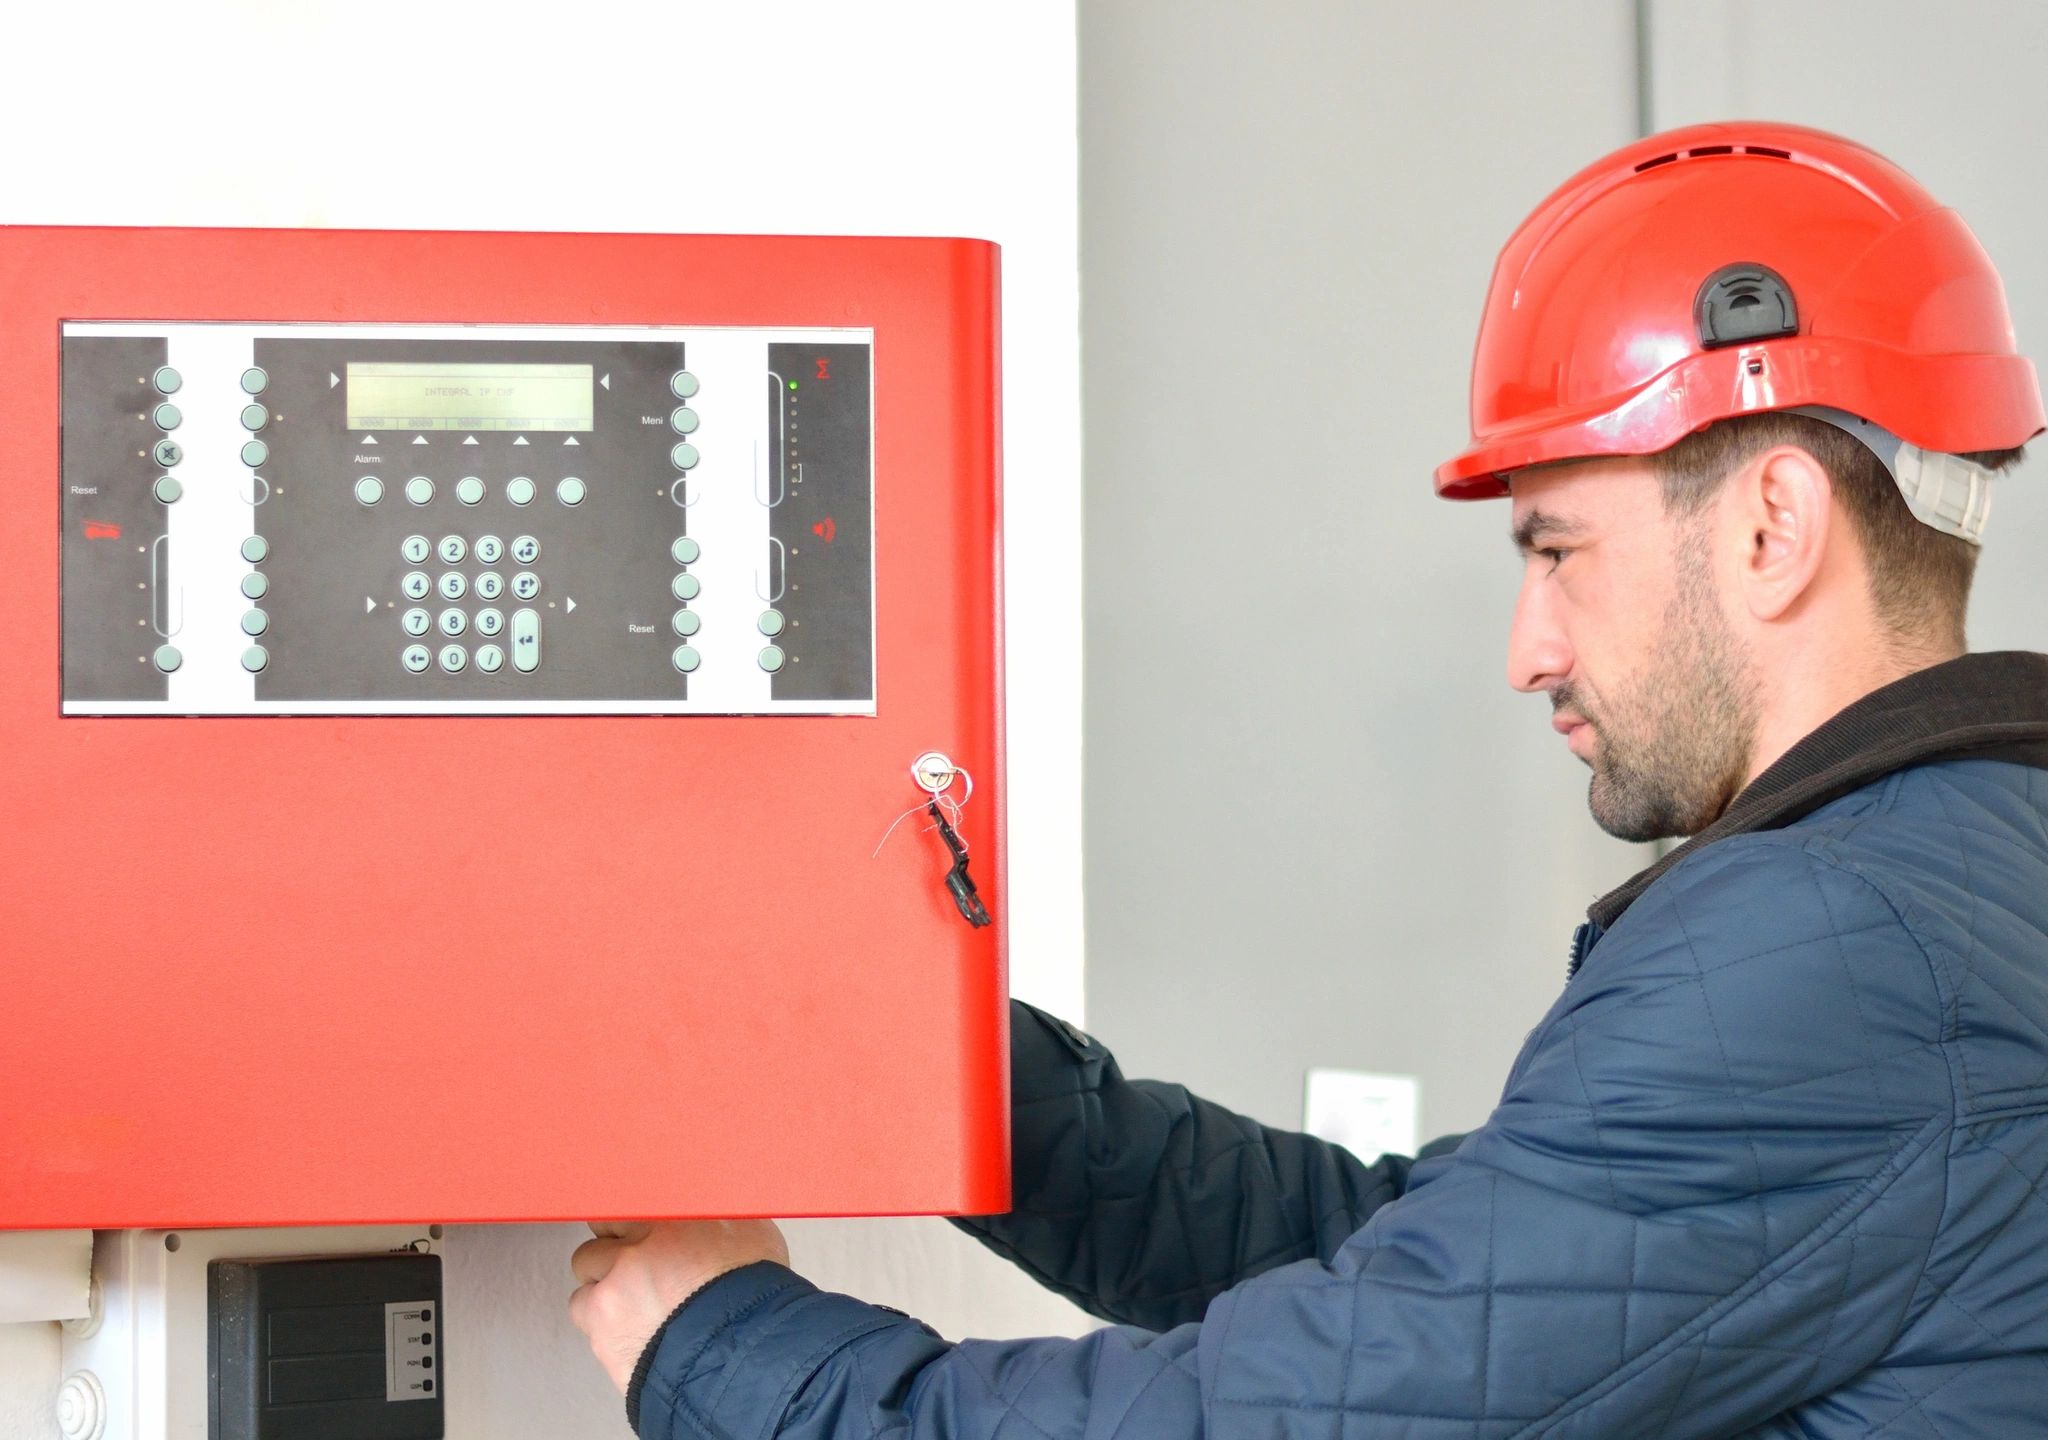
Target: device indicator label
(412,1350)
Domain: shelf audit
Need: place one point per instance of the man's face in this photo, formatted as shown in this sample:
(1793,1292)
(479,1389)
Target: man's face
(1621,622)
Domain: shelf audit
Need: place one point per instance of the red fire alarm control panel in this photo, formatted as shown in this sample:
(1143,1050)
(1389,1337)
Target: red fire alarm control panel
(458,686)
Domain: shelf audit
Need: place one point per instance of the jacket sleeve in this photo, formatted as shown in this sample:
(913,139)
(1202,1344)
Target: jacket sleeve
(1708,1194)
(1142,1203)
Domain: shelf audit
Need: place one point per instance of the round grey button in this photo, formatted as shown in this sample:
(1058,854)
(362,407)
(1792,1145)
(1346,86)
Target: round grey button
(254,453)
(417,622)
(526,549)
(416,658)
(167,657)
(687,622)
(469,490)
(571,491)
(166,380)
(526,584)
(255,549)
(454,585)
(771,658)
(255,658)
(167,453)
(683,420)
(770,622)
(453,622)
(416,549)
(168,490)
(685,658)
(685,551)
(369,490)
(254,417)
(453,658)
(683,456)
(490,659)
(519,490)
(489,549)
(686,587)
(452,549)
(489,622)
(255,585)
(167,416)
(419,489)
(490,585)
(416,585)
(254,622)
(683,383)
(253,380)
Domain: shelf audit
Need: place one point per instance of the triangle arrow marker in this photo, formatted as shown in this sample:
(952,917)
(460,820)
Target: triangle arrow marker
(605,380)
(570,608)
(369,604)
(332,379)
(419,439)
(570,441)
(369,440)
(470,440)
(520,441)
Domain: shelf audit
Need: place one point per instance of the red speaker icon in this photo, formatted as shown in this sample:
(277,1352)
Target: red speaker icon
(826,530)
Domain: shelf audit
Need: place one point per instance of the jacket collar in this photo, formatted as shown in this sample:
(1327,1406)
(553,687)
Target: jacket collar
(1991,706)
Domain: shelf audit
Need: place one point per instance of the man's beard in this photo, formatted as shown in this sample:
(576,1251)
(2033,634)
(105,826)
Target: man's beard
(1675,744)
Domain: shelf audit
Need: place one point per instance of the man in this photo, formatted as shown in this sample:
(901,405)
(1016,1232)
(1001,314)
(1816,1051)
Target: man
(1774,1162)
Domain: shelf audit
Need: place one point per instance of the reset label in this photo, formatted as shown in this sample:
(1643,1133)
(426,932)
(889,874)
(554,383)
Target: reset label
(411,1369)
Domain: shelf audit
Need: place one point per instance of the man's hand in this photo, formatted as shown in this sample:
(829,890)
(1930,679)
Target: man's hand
(634,1275)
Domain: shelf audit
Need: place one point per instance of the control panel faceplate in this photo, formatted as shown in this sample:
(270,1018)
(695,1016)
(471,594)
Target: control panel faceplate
(358,519)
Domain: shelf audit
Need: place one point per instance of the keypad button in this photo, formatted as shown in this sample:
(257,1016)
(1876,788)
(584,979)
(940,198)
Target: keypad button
(369,490)
(255,549)
(771,658)
(489,549)
(254,453)
(687,622)
(417,585)
(526,640)
(254,417)
(255,585)
(167,658)
(685,658)
(419,490)
(168,490)
(490,585)
(686,587)
(489,622)
(416,658)
(416,549)
(469,490)
(452,549)
(770,622)
(254,379)
(254,622)
(166,380)
(685,550)
(571,491)
(453,622)
(526,549)
(167,416)
(454,658)
(454,585)
(683,420)
(255,658)
(683,457)
(526,585)
(490,659)
(683,383)
(417,622)
(167,453)
(519,490)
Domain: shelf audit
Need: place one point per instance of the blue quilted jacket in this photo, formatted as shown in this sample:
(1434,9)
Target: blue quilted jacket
(1772,1165)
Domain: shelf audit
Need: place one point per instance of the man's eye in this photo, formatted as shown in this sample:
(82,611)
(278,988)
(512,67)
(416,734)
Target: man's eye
(1555,557)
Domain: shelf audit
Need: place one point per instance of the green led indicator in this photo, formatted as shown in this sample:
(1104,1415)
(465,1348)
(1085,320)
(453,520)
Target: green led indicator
(792,384)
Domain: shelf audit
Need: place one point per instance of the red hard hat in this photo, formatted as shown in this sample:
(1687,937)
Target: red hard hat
(1724,269)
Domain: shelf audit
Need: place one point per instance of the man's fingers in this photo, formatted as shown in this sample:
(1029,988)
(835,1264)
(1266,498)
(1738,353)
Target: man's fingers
(579,1307)
(631,1231)
(594,1259)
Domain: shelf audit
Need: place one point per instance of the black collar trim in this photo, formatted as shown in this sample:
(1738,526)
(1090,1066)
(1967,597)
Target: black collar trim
(1992,706)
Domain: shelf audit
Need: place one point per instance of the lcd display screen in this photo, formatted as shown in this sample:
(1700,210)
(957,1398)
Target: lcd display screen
(394,395)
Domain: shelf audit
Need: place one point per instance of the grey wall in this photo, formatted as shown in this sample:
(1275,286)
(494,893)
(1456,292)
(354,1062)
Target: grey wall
(1321,830)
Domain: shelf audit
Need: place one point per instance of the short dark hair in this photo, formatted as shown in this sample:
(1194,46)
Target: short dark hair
(1919,577)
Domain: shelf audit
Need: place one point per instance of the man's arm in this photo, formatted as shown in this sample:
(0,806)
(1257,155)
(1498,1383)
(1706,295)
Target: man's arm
(1707,1196)
(1142,1203)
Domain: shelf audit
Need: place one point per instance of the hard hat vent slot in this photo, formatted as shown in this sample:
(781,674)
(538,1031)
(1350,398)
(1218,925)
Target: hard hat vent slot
(1743,302)
(1766,150)
(1660,160)
(1711,150)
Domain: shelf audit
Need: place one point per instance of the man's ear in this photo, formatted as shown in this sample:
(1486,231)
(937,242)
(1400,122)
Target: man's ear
(1784,504)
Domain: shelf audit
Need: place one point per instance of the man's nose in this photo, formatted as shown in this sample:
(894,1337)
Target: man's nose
(1538,656)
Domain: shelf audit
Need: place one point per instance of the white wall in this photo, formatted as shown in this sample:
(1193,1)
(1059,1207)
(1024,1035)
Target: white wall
(899,117)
